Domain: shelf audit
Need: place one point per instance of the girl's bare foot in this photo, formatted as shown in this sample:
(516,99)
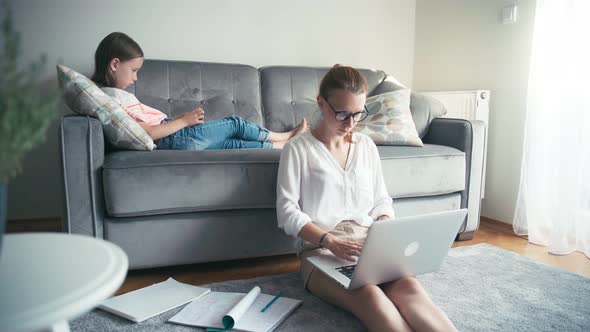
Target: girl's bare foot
(303,127)
(278,145)
(283,137)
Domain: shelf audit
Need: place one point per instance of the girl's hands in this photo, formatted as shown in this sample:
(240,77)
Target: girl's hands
(194,117)
(342,249)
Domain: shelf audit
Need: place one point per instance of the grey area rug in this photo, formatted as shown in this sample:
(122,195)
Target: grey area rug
(480,287)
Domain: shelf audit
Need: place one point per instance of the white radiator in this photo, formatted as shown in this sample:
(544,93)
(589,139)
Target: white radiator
(470,105)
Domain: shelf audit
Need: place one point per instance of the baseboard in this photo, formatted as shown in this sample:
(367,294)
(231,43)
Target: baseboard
(482,218)
(34,225)
(500,226)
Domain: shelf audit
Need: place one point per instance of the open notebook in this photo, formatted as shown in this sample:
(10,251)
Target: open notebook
(237,311)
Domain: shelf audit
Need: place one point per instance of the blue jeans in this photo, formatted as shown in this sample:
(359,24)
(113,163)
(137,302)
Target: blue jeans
(232,132)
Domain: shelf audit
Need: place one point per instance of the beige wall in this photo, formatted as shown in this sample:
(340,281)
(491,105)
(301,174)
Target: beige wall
(370,34)
(462,45)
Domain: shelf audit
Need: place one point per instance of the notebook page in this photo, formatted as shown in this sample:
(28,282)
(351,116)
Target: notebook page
(208,310)
(240,309)
(255,320)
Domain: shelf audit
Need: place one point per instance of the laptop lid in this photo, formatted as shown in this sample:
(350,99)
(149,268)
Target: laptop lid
(406,247)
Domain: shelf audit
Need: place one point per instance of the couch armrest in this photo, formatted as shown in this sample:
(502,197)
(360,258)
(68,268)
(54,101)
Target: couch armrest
(82,156)
(467,136)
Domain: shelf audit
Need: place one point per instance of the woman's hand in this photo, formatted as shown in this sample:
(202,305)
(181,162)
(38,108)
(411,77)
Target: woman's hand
(194,117)
(343,249)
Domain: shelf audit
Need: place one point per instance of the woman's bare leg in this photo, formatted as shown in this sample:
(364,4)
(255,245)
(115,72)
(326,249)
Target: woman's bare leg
(416,307)
(283,137)
(369,303)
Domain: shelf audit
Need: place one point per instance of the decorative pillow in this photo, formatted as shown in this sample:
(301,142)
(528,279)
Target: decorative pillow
(84,97)
(390,120)
(425,109)
(388,84)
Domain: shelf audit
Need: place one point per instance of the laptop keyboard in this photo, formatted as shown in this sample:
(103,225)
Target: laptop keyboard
(346,270)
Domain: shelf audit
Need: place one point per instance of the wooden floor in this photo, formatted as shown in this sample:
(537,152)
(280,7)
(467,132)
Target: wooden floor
(491,232)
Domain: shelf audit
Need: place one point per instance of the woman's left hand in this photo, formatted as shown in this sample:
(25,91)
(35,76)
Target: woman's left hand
(383,217)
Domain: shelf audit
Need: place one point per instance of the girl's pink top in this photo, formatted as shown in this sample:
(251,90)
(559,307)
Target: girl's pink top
(137,110)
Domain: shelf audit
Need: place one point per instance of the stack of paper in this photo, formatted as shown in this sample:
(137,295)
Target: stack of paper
(153,300)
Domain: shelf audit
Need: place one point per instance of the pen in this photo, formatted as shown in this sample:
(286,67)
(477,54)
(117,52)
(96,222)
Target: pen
(271,301)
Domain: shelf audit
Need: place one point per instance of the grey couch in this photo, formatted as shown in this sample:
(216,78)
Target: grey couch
(181,207)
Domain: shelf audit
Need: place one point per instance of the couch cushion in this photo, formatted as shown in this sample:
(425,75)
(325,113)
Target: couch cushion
(289,94)
(422,171)
(160,182)
(176,87)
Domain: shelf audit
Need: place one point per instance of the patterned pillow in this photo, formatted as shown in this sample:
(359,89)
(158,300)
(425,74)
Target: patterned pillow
(390,121)
(84,97)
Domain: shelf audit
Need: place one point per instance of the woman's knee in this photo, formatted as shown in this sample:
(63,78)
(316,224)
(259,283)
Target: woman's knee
(370,294)
(403,287)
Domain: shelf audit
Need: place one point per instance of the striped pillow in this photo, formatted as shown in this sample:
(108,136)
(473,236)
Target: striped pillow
(84,97)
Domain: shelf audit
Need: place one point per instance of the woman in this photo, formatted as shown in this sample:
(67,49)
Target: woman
(330,189)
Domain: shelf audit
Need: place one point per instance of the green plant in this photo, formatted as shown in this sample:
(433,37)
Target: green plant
(25,112)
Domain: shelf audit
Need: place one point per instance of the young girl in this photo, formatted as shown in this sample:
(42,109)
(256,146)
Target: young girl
(118,58)
(330,189)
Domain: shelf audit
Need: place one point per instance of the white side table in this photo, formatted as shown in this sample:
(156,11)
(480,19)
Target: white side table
(47,279)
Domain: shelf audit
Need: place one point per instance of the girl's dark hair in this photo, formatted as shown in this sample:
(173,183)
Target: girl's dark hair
(342,77)
(115,45)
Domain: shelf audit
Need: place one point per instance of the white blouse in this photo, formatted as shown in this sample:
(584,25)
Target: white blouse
(312,186)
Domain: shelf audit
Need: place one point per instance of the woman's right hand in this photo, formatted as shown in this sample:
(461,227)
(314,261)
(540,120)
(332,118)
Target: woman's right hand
(347,250)
(194,117)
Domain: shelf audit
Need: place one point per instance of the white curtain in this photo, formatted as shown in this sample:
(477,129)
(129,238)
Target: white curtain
(553,206)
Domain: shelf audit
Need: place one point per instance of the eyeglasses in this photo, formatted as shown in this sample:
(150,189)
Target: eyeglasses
(344,115)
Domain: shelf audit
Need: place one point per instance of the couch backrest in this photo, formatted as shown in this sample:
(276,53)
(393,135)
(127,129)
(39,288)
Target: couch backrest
(175,87)
(289,94)
(277,97)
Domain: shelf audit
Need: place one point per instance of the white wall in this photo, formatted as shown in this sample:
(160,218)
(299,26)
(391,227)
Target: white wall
(370,34)
(461,45)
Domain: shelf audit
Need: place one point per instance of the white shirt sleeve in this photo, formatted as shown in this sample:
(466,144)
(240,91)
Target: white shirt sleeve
(383,202)
(289,215)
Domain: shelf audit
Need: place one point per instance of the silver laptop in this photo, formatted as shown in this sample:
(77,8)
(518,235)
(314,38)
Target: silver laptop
(396,248)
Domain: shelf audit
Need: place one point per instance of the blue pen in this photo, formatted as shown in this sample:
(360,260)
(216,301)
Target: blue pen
(272,301)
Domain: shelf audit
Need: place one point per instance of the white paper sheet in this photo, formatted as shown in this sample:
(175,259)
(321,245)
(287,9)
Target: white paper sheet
(153,300)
